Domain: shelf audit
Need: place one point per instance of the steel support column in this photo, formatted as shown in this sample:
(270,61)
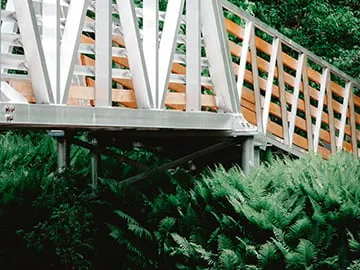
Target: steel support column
(250,155)
(95,158)
(63,152)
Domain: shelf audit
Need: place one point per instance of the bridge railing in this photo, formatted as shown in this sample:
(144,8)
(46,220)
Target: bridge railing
(290,93)
(205,56)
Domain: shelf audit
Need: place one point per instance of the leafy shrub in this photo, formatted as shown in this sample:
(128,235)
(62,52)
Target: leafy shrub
(300,214)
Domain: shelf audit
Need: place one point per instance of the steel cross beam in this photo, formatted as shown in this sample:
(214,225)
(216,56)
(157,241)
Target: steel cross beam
(180,161)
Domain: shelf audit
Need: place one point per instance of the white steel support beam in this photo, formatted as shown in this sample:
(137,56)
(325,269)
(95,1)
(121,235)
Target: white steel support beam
(295,96)
(218,52)
(270,81)
(167,46)
(324,82)
(103,53)
(151,44)
(344,111)
(282,89)
(51,43)
(307,105)
(331,118)
(193,56)
(70,44)
(135,54)
(34,52)
(256,86)
(243,58)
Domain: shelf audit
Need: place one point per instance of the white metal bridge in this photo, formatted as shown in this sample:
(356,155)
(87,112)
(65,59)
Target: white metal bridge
(202,65)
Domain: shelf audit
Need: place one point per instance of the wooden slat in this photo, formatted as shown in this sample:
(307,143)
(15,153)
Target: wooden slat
(123,96)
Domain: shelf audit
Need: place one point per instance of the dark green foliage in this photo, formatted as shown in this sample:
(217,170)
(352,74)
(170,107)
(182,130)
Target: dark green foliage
(296,215)
(67,227)
(301,214)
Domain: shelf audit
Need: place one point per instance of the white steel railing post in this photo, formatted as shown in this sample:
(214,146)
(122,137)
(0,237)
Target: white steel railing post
(51,43)
(218,52)
(344,112)
(151,44)
(135,54)
(324,82)
(269,82)
(103,53)
(167,46)
(70,44)
(295,96)
(193,55)
(33,50)
(243,58)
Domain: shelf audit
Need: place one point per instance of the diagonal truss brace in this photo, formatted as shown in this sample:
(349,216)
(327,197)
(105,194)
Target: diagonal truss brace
(34,52)
(219,57)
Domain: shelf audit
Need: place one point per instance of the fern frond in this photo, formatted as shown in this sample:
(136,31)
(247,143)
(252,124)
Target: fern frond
(300,227)
(224,242)
(166,224)
(318,215)
(184,245)
(353,243)
(228,259)
(307,251)
(139,231)
(126,217)
(267,254)
(204,254)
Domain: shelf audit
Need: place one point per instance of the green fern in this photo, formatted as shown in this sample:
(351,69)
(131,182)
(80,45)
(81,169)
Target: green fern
(353,243)
(228,259)
(267,254)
